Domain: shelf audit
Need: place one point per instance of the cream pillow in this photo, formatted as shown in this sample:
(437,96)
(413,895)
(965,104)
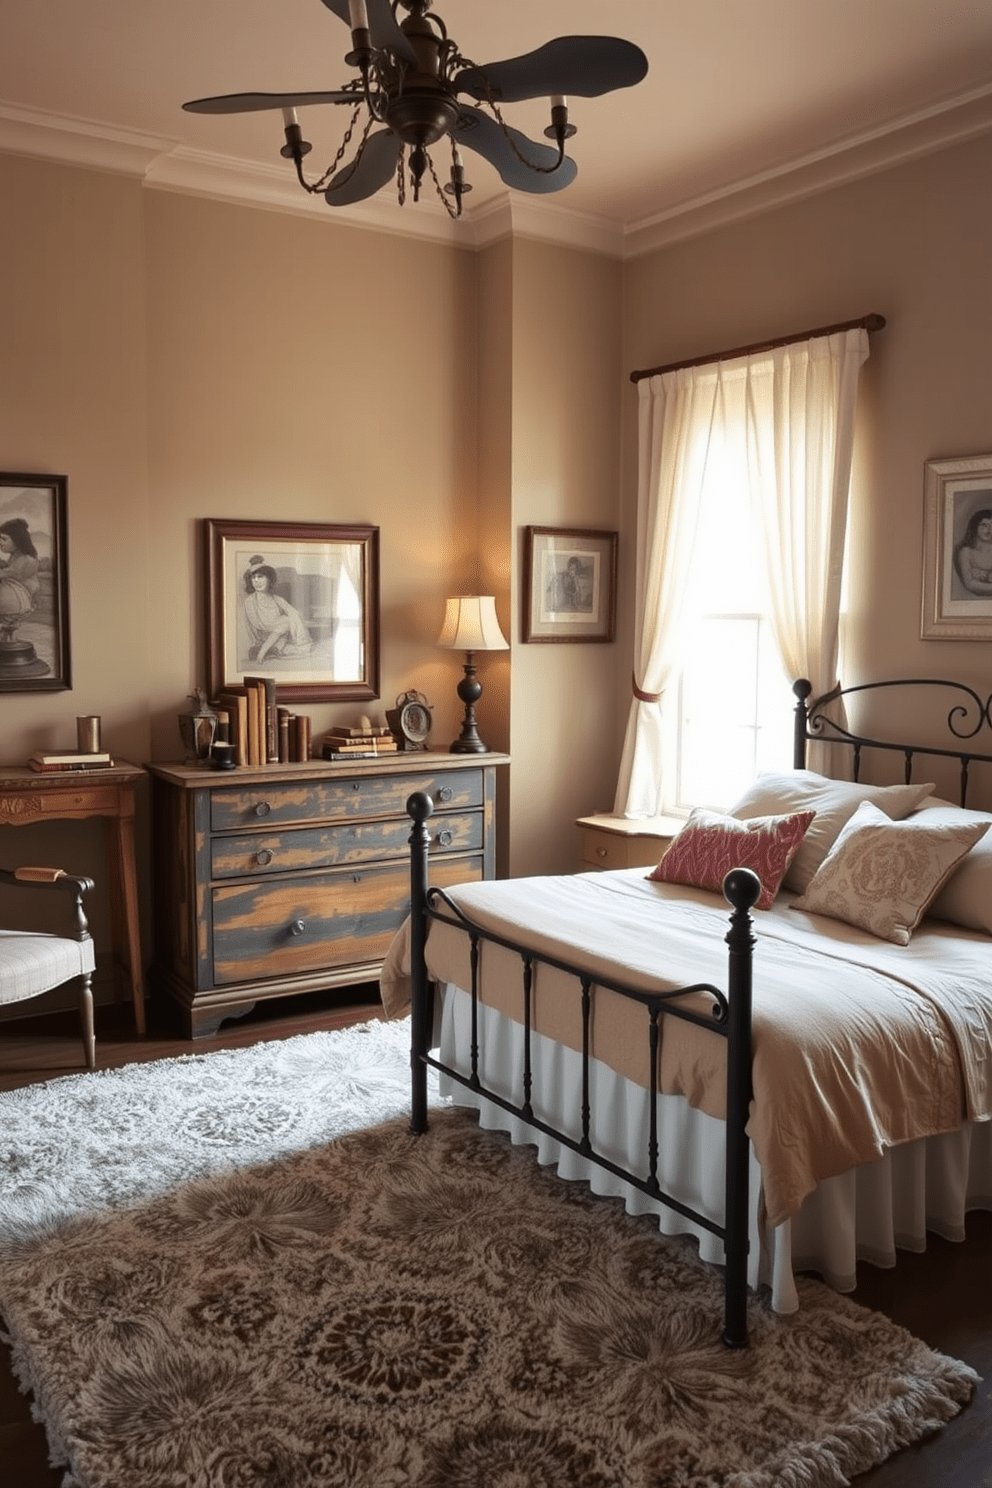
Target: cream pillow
(966,897)
(834,801)
(880,875)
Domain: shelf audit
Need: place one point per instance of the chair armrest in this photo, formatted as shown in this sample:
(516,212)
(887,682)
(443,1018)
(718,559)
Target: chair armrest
(54,878)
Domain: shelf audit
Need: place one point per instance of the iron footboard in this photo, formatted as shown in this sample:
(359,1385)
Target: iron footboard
(730,1018)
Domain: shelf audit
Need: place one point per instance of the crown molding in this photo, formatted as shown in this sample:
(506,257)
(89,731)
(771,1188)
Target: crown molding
(923,133)
(163,163)
(70,141)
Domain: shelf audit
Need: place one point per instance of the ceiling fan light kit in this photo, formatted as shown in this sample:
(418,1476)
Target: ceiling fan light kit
(412,80)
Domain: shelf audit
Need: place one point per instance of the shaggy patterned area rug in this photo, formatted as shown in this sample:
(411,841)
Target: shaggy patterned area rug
(99,1140)
(386,1311)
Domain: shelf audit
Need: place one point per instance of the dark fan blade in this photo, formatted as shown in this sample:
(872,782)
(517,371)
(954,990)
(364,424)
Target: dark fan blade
(376,164)
(253,103)
(383,27)
(581,65)
(482,134)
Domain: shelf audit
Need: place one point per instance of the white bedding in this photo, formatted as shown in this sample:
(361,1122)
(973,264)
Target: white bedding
(859,1045)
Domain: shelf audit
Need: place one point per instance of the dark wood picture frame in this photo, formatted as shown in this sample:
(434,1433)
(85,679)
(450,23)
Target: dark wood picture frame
(957,593)
(570,584)
(34,584)
(297,601)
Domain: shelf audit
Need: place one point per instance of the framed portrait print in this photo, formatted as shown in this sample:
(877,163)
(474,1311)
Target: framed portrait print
(569,589)
(34,584)
(957,550)
(297,601)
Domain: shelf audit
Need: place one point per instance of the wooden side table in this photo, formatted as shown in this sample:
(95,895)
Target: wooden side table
(618,842)
(29,796)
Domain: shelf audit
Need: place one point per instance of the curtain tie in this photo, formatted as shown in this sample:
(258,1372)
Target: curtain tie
(644,697)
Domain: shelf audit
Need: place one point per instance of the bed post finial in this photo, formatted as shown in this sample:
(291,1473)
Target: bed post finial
(802,688)
(419,808)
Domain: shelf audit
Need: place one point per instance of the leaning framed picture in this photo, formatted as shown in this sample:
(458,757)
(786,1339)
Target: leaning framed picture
(570,581)
(296,601)
(34,584)
(957,550)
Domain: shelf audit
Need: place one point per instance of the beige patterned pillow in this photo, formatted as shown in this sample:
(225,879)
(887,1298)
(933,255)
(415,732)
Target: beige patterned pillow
(834,801)
(880,875)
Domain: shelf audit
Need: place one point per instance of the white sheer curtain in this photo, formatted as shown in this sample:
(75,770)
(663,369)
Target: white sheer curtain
(789,415)
(801,402)
(675,417)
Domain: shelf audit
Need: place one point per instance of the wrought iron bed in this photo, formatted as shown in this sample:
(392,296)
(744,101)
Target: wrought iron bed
(730,1013)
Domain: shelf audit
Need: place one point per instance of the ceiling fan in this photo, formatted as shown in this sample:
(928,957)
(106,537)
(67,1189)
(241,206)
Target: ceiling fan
(413,80)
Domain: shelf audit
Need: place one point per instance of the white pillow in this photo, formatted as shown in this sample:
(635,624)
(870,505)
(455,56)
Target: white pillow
(834,801)
(880,875)
(966,897)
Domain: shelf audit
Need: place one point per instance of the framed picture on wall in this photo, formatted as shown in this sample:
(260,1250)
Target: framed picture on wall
(957,550)
(34,584)
(570,578)
(297,601)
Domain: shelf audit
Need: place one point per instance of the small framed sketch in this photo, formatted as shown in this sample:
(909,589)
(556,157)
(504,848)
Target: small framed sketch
(34,584)
(957,550)
(297,601)
(570,581)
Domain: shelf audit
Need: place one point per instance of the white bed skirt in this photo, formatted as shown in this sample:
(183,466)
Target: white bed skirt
(867,1213)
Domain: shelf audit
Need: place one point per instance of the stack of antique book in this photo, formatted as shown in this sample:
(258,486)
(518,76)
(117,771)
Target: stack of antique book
(365,741)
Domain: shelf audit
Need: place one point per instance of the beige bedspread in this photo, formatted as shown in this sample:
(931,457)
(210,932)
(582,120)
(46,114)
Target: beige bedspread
(858,1045)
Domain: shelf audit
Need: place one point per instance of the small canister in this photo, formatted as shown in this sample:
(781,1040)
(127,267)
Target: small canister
(88,734)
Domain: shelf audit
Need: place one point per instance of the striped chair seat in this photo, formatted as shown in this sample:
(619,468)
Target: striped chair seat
(31,964)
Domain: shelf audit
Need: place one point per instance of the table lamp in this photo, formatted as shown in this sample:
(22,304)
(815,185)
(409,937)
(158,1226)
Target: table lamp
(470,625)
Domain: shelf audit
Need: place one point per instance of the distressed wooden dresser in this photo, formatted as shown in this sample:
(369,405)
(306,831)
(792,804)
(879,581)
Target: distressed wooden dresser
(291,878)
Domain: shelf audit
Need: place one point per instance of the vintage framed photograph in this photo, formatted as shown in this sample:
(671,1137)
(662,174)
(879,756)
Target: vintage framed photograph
(957,550)
(297,601)
(570,581)
(34,584)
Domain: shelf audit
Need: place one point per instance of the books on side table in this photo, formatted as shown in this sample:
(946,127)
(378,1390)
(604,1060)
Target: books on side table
(70,759)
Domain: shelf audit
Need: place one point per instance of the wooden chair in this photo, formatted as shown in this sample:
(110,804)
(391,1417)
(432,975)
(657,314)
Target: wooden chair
(32,962)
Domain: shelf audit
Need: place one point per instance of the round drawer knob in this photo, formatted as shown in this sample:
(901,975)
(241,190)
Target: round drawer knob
(297,927)
(262,808)
(445,793)
(601,852)
(263,857)
(446,837)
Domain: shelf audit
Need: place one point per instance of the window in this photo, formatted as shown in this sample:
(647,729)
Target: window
(729,712)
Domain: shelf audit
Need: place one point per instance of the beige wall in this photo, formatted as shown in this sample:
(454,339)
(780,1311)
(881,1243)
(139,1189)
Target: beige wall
(915,244)
(565,407)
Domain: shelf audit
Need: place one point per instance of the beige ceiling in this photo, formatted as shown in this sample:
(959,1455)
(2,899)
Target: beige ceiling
(741,95)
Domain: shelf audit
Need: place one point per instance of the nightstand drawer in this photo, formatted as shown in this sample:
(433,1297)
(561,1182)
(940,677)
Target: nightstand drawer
(601,850)
(328,847)
(607,842)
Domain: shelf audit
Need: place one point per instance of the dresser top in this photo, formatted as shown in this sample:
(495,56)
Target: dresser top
(404,762)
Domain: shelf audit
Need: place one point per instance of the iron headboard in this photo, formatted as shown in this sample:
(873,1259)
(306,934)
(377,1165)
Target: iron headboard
(967,715)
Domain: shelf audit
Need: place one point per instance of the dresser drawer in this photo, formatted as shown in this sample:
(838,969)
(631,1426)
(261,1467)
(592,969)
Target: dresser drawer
(327,847)
(284,802)
(304,923)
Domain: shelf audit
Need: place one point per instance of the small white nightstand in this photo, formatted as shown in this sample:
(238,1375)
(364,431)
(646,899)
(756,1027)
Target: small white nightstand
(618,842)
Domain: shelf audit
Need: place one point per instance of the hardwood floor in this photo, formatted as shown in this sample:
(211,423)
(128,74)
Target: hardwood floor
(943,1296)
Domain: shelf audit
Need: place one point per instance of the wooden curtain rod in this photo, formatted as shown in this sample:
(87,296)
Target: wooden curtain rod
(870,323)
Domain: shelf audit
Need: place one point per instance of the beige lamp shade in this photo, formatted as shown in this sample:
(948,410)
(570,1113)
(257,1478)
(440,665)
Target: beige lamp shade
(470,624)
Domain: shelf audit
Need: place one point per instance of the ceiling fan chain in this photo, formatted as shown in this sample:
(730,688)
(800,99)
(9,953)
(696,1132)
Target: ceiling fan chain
(321,185)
